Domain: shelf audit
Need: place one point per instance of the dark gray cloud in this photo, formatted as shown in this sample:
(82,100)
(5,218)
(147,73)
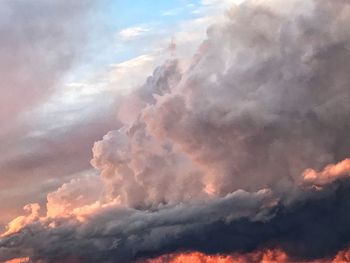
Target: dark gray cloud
(315,226)
(123,234)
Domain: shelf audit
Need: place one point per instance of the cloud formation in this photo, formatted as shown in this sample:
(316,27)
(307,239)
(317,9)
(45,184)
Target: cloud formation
(40,42)
(254,109)
(131,33)
(219,156)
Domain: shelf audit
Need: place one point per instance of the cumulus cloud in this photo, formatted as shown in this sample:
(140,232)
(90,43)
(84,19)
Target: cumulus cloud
(75,194)
(256,107)
(330,173)
(261,104)
(220,156)
(21,221)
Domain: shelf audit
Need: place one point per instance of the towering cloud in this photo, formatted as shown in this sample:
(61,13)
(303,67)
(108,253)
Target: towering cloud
(257,107)
(241,150)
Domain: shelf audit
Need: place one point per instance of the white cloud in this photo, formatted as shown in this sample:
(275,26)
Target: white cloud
(126,75)
(131,33)
(225,2)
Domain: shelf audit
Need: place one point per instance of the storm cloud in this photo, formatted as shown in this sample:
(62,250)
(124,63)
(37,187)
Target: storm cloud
(314,226)
(243,149)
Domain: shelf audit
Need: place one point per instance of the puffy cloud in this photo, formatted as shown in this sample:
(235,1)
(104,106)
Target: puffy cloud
(142,170)
(75,194)
(329,174)
(263,105)
(18,223)
(257,106)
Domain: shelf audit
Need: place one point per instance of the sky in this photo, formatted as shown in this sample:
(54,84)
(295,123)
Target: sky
(174,131)
(43,145)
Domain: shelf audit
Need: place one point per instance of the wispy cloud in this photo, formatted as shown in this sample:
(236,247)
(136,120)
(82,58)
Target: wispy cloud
(131,33)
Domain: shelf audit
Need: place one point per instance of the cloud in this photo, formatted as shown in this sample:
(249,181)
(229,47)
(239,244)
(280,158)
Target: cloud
(329,174)
(131,33)
(18,260)
(49,153)
(226,2)
(243,115)
(40,43)
(248,112)
(126,76)
(21,221)
(127,230)
(75,194)
(240,222)
(219,155)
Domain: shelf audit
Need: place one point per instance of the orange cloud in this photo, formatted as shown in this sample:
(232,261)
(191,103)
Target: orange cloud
(262,256)
(268,256)
(18,223)
(329,174)
(18,260)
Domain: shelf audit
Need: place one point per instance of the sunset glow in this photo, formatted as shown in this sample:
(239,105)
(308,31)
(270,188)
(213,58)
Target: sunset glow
(267,256)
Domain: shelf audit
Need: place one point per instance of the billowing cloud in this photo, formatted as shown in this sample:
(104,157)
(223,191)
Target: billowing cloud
(263,103)
(75,194)
(240,222)
(329,174)
(21,221)
(255,109)
(127,231)
(220,156)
